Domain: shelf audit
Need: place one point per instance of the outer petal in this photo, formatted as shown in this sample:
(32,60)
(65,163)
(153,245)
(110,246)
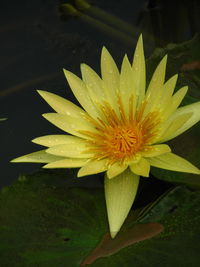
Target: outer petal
(115,169)
(141,168)
(163,99)
(54,140)
(175,101)
(66,163)
(79,89)
(167,93)
(110,77)
(171,126)
(195,109)
(127,87)
(155,150)
(155,87)
(61,105)
(69,124)
(74,150)
(93,167)
(120,193)
(168,88)
(170,161)
(139,70)
(37,157)
(93,83)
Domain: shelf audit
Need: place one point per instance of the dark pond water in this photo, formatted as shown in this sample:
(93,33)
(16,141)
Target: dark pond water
(37,41)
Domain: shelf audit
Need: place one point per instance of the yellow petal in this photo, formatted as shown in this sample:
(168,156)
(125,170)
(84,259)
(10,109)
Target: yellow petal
(168,90)
(37,157)
(69,124)
(93,167)
(79,89)
(172,126)
(66,163)
(169,86)
(155,150)
(134,159)
(141,168)
(139,70)
(195,109)
(163,98)
(175,101)
(53,140)
(93,83)
(120,193)
(127,87)
(110,77)
(74,150)
(115,169)
(170,161)
(155,87)
(61,105)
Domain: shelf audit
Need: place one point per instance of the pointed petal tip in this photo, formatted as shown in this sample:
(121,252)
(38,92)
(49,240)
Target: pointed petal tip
(45,166)
(110,175)
(140,39)
(80,174)
(164,60)
(43,94)
(34,140)
(104,51)
(40,91)
(197,171)
(125,59)
(185,88)
(45,115)
(49,116)
(113,234)
(66,73)
(14,160)
(17,160)
(49,166)
(83,65)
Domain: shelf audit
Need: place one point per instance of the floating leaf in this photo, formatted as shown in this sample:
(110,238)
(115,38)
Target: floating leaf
(44,223)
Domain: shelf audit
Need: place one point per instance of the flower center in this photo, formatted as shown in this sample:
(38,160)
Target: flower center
(122,141)
(120,137)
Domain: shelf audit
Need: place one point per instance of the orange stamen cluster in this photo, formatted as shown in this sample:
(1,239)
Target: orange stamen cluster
(120,137)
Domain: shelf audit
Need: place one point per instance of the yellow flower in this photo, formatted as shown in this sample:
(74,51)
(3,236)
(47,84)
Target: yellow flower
(120,128)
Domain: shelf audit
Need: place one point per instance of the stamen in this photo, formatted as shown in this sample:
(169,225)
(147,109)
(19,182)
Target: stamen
(121,138)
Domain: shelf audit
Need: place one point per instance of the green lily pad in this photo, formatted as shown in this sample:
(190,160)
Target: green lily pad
(44,222)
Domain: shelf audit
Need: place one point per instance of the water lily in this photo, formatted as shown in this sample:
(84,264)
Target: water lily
(120,129)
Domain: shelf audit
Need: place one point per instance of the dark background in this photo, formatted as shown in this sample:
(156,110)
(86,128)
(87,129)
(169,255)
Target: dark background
(39,38)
